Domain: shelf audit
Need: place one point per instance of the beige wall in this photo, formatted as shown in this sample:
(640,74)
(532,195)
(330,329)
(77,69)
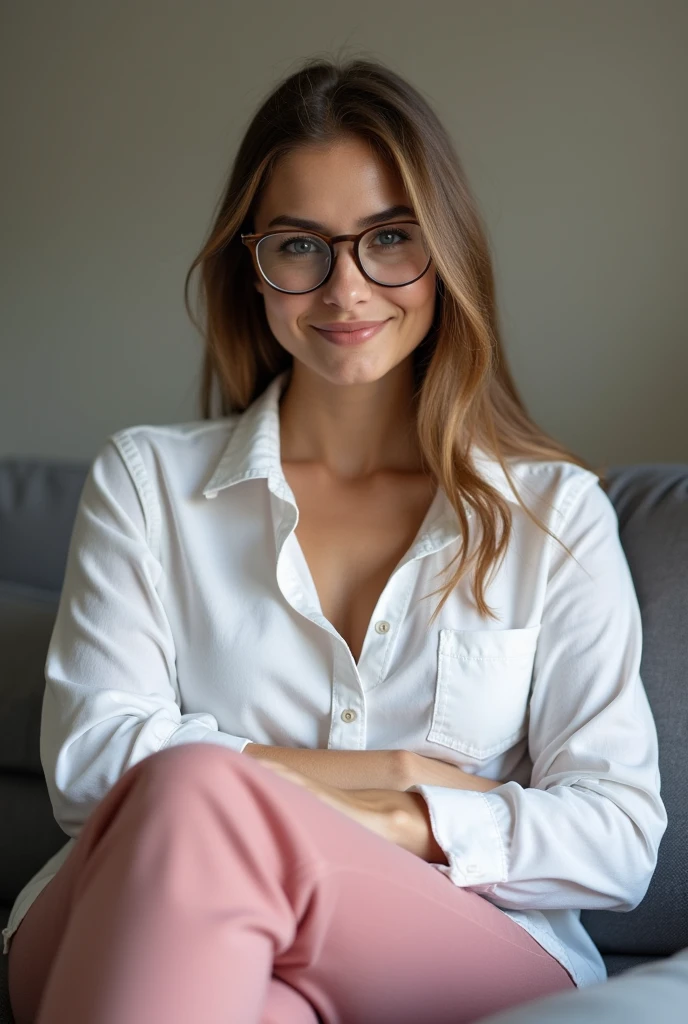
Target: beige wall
(120,121)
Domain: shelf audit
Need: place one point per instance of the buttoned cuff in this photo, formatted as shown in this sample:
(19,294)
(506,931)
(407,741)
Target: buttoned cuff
(465,827)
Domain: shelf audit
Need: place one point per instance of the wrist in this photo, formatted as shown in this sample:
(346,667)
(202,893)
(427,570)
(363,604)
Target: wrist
(405,821)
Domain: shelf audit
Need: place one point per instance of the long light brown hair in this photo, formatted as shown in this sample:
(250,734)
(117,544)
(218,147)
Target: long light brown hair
(464,390)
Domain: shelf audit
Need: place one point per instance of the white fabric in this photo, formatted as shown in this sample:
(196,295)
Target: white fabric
(188,613)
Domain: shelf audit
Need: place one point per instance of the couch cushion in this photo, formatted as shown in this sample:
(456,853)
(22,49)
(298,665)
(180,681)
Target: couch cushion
(29,835)
(656,991)
(615,963)
(27,615)
(652,505)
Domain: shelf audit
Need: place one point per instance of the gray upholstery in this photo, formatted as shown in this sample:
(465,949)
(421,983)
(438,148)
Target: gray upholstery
(657,991)
(38,500)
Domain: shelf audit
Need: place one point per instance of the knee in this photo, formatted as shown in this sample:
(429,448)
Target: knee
(192,760)
(190,766)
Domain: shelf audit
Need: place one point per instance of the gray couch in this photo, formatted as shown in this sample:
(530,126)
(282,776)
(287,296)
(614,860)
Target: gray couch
(38,500)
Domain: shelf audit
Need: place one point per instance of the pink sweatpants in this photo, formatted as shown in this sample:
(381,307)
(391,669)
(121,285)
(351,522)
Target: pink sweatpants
(206,888)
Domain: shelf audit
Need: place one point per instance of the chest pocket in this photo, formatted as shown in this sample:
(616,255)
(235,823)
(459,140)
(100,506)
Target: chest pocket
(482,689)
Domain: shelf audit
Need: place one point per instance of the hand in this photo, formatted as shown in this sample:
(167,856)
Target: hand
(362,805)
(432,771)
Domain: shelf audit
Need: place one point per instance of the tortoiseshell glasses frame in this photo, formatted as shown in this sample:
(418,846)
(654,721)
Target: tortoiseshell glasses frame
(252,240)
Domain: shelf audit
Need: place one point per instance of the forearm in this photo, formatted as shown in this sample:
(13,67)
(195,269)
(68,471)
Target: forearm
(382,778)
(345,769)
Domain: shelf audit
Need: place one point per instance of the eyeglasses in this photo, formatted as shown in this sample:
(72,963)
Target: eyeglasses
(301,261)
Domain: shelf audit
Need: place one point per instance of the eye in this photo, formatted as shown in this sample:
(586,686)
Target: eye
(300,240)
(390,232)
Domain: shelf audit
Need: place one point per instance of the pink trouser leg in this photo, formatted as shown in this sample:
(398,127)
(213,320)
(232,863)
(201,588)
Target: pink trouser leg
(205,887)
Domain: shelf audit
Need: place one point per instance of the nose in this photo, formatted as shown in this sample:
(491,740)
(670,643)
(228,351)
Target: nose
(347,283)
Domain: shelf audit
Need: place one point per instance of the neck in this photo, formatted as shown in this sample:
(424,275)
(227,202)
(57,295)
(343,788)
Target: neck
(352,430)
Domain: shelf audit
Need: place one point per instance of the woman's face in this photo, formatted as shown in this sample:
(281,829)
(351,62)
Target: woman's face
(335,187)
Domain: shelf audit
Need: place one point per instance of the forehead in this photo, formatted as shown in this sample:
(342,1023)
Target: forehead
(333,184)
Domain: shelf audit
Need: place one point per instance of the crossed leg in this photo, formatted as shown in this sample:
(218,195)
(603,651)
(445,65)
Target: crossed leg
(206,887)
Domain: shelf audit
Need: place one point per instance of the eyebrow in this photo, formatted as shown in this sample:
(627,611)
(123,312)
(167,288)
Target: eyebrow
(391,213)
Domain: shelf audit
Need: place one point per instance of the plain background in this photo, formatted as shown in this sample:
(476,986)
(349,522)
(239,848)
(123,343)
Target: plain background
(119,123)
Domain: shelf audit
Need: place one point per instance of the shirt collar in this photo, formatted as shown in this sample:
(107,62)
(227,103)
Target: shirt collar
(253,451)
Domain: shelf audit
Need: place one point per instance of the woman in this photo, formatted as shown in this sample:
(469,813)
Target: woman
(428,801)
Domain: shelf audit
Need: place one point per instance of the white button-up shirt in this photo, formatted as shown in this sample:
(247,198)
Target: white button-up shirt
(188,614)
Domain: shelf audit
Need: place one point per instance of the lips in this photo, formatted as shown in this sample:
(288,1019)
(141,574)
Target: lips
(348,325)
(353,332)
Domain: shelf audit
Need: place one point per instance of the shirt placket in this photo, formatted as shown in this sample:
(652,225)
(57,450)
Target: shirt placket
(348,727)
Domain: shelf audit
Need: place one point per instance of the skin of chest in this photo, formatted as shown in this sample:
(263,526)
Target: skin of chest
(353,535)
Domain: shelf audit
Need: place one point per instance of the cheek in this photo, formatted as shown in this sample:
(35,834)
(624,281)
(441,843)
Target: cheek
(284,312)
(419,298)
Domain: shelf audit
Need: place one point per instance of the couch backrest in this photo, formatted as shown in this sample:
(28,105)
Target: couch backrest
(38,501)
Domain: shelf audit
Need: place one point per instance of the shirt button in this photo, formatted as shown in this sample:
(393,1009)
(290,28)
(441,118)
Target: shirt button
(349,715)
(382,626)
(472,868)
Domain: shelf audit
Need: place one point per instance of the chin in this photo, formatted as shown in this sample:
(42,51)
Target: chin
(354,371)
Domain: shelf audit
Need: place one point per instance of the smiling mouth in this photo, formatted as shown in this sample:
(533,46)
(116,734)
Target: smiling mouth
(351,337)
(349,325)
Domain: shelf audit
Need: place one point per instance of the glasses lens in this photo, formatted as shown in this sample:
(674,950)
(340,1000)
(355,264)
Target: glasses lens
(394,254)
(295,262)
(298,262)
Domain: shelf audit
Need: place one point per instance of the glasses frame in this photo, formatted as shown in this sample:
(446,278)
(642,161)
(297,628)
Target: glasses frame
(252,240)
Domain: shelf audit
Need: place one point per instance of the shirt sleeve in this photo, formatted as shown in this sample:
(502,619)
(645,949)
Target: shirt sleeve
(586,832)
(111,696)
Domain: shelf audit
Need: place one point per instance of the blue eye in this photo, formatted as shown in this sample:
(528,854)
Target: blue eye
(392,231)
(302,239)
